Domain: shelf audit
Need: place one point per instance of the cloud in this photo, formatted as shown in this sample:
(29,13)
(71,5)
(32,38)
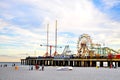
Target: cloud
(3,24)
(23,41)
(8,56)
(111,3)
(74,17)
(4,5)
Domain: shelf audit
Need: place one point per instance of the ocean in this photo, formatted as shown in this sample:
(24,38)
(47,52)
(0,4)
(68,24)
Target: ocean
(10,63)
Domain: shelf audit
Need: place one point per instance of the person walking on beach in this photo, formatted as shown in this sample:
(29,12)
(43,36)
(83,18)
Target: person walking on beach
(30,67)
(42,67)
(13,65)
(37,67)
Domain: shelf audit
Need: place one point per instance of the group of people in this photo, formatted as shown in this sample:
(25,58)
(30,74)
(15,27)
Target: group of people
(13,64)
(5,65)
(37,67)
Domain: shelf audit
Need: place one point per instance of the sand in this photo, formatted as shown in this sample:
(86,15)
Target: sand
(50,73)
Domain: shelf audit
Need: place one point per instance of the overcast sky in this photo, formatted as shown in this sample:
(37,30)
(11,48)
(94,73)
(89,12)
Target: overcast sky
(23,25)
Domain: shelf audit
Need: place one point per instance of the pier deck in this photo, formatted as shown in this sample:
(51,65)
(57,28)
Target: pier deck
(75,62)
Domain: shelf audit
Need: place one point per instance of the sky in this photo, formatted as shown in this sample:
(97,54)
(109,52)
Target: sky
(23,25)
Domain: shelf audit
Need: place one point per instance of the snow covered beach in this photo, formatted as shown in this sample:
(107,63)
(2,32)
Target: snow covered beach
(50,73)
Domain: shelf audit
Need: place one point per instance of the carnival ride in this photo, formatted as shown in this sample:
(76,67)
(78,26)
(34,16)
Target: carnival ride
(67,53)
(85,47)
(66,50)
(49,54)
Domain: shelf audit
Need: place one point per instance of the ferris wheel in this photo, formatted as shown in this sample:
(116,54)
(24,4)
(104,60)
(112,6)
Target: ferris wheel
(84,42)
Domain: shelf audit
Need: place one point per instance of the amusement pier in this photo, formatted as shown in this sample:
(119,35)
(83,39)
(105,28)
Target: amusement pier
(89,54)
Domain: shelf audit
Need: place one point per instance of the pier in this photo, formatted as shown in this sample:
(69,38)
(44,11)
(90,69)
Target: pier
(75,62)
(88,54)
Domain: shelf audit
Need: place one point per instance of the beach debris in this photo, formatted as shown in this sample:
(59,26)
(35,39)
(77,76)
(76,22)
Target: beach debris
(64,68)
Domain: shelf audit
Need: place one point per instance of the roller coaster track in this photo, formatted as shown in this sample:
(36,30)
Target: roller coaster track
(105,50)
(111,50)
